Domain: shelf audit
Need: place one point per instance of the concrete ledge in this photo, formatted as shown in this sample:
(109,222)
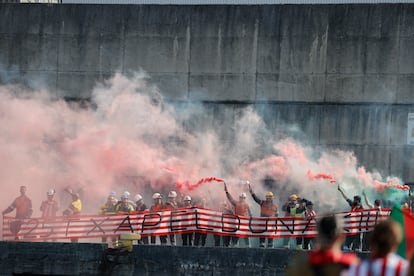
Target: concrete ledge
(19,258)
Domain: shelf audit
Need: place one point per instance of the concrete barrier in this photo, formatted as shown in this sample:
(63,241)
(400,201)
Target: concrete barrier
(22,258)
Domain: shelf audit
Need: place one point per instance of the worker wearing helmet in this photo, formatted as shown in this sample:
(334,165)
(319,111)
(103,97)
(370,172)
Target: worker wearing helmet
(124,205)
(128,195)
(49,207)
(241,208)
(74,208)
(139,203)
(267,209)
(187,238)
(170,205)
(290,208)
(141,207)
(156,207)
(109,206)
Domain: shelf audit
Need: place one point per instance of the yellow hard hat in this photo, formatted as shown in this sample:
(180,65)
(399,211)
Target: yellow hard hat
(269,194)
(293,197)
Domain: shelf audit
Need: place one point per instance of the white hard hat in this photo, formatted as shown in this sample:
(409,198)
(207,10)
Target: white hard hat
(137,197)
(51,192)
(156,196)
(125,195)
(243,195)
(187,198)
(172,194)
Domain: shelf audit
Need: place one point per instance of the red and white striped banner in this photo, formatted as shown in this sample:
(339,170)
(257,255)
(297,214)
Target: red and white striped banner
(178,221)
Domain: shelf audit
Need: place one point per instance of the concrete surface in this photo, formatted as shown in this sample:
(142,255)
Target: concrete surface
(343,73)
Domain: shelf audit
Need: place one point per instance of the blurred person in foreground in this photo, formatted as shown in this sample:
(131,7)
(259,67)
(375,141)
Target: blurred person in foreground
(326,259)
(384,242)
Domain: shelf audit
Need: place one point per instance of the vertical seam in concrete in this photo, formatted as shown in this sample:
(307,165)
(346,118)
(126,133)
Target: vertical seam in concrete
(400,15)
(62,25)
(398,83)
(280,11)
(189,54)
(256,38)
(365,50)
(123,41)
(326,52)
(325,74)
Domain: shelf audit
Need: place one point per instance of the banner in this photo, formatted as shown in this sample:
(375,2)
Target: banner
(184,220)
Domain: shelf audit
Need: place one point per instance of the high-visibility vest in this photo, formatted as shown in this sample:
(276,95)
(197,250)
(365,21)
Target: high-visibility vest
(156,207)
(76,206)
(241,209)
(293,212)
(268,209)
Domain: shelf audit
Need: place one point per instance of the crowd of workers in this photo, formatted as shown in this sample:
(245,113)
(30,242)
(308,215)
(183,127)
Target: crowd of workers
(293,207)
(327,257)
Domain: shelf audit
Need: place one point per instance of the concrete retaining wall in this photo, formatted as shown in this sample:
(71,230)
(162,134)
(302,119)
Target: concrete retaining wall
(343,73)
(91,259)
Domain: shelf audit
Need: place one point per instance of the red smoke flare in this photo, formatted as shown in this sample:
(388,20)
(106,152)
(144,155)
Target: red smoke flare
(313,176)
(381,186)
(186,185)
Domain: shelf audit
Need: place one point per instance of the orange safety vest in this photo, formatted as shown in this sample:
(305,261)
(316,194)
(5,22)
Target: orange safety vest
(268,210)
(157,207)
(23,206)
(241,209)
(171,205)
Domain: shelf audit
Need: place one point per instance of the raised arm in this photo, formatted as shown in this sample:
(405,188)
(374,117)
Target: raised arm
(229,197)
(367,200)
(258,200)
(343,194)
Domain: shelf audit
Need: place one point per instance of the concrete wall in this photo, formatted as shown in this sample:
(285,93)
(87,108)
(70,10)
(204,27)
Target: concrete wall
(343,73)
(24,258)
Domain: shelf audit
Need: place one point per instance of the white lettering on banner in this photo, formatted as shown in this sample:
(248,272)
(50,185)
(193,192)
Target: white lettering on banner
(178,221)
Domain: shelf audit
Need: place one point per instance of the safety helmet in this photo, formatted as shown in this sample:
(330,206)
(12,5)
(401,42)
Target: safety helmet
(111,198)
(293,197)
(309,203)
(127,193)
(269,195)
(156,196)
(172,194)
(125,196)
(243,195)
(51,192)
(137,197)
(187,198)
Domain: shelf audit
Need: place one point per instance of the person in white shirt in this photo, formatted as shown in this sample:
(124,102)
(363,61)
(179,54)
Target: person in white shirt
(383,260)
